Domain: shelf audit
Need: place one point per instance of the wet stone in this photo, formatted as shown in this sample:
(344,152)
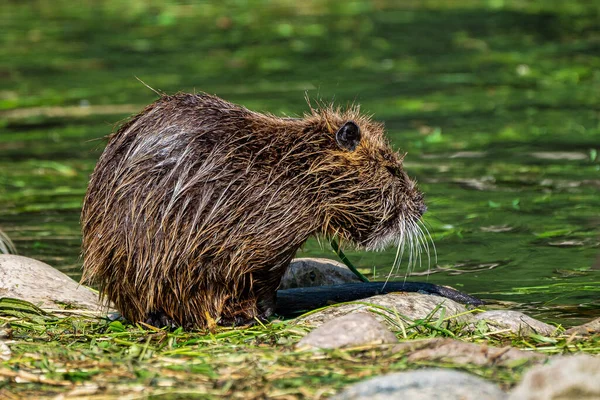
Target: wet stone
(5,352)
(458,352)
(5,334)
(424,384)
(590,328)
(404,306)
(514,322)
(38,283)
(309,272)
(563,378)
(356,329)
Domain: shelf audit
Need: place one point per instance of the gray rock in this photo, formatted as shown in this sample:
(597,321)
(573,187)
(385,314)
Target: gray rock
(564,378)
(351,330)
(38,283)
(309,272)
(590,328)
(457,352)
(5,352)
(514,321)
(5,333)
(424,384)
(398,307)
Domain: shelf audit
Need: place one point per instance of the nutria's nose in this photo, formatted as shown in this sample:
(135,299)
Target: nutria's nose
(421,207)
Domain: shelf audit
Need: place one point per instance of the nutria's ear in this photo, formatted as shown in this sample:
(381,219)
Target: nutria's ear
(348,136)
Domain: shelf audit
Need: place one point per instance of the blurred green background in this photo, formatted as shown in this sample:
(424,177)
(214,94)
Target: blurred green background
(496,103)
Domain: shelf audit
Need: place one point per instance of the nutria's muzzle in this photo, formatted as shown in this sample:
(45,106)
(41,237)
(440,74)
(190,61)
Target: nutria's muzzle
(419,201)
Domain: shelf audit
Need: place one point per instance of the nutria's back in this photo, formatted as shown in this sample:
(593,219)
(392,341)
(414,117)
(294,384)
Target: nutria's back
(197,206)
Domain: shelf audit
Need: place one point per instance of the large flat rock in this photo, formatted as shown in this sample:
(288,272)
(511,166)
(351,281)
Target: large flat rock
(46,287)
(355,329)
(310,272)
(405,306)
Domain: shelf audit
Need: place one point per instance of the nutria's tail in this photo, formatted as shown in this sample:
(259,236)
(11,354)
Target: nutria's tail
(6,245)
(291,302)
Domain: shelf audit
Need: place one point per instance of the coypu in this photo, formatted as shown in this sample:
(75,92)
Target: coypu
(197,205)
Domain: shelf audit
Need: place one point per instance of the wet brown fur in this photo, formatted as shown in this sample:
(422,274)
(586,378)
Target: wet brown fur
(197,206)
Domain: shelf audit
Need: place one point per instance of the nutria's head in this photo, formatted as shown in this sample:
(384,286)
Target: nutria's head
(370,201)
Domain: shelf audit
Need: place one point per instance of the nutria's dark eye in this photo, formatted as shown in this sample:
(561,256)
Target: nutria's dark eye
(348,136)
(395,171)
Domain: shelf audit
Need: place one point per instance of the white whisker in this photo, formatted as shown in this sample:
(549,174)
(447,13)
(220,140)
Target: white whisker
(432,242)
(418,248)
(414,237)
(410,254)
(424,245)
(398,257)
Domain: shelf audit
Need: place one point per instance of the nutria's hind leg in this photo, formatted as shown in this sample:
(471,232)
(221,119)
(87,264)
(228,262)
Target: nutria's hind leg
(250,312)
(160,320)
(242,313)
(236,321)
(266,305)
